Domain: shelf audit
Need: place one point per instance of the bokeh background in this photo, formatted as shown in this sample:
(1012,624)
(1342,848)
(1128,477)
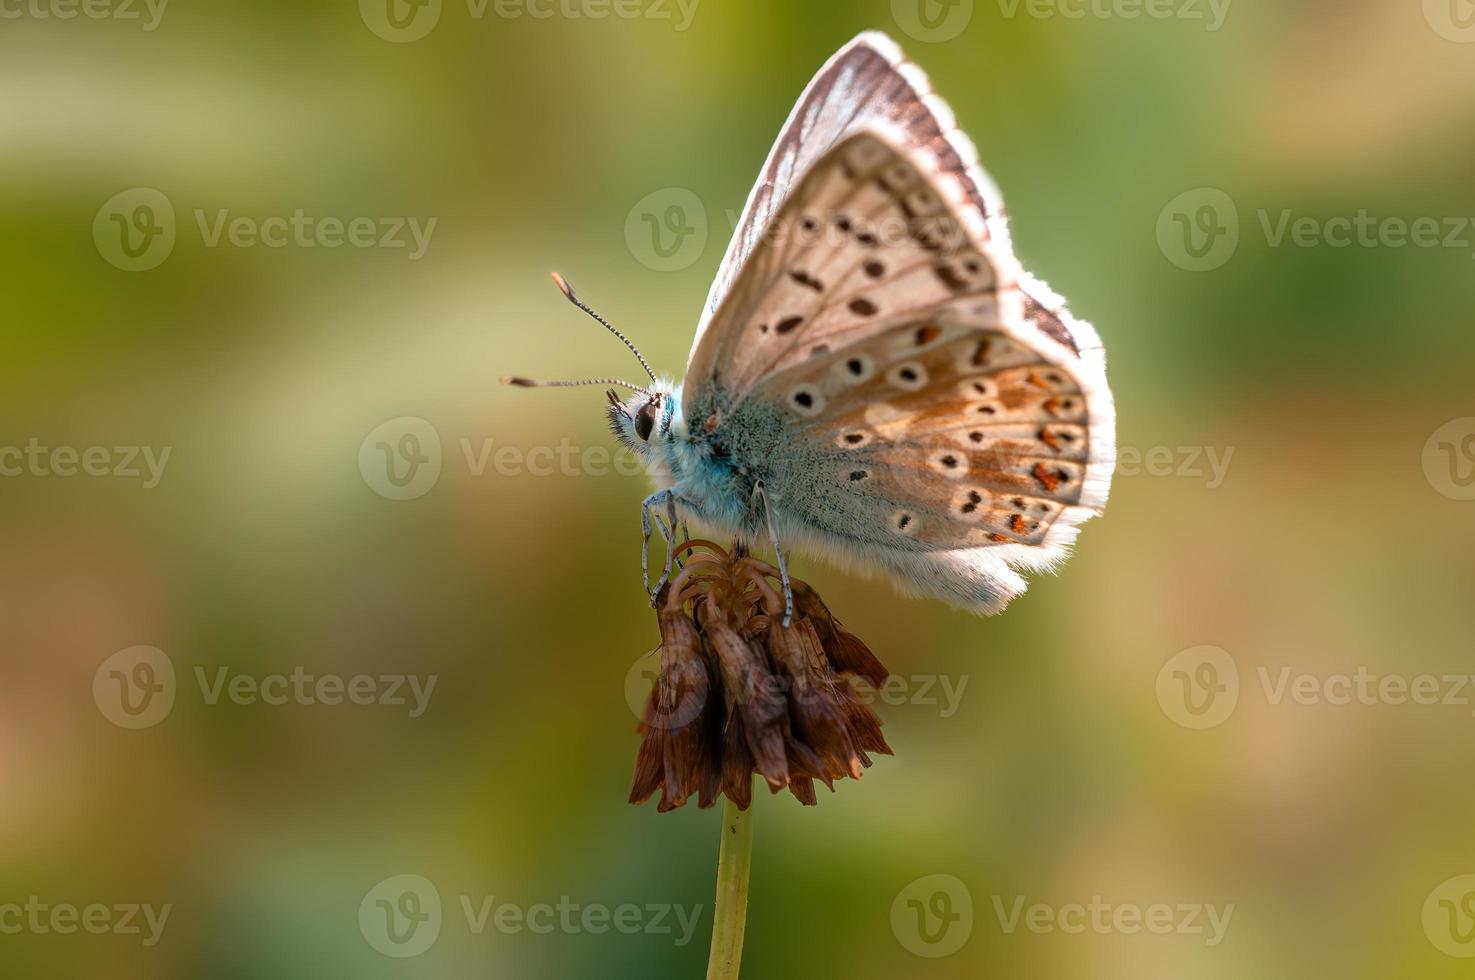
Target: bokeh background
(1099,751)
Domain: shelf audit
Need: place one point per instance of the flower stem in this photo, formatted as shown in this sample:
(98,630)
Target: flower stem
(730,914)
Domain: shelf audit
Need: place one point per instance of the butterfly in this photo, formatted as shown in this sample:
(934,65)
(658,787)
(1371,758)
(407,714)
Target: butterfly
(875,380)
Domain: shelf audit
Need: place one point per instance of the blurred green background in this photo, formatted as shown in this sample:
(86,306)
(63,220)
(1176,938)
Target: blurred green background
(1330,381)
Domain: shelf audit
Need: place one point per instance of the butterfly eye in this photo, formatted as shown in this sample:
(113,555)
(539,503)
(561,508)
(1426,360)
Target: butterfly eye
(645,421)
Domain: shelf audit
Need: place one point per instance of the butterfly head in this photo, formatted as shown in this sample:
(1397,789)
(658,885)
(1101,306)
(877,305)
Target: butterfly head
(643,422)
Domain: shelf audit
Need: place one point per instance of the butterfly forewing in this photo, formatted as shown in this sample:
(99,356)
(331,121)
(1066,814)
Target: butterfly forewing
(864,243)
(912,400)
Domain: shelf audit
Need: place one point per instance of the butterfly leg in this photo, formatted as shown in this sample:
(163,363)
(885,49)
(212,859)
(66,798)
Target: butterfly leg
(668,532)
(760,499)
(672,538)
(646,507)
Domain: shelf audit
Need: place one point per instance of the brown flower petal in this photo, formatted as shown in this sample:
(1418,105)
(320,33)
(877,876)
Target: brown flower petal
(846,651)
(671,755)
(816,708)
(739,693)
(754,695)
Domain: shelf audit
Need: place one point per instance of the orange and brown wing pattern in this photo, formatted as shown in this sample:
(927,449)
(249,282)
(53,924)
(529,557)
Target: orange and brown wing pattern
(963,436)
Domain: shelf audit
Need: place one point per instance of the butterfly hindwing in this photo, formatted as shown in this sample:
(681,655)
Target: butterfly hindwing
(940,435)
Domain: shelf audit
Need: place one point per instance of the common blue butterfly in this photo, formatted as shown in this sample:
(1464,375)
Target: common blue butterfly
(874,379)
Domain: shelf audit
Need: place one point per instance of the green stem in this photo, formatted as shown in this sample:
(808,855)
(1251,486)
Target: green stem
(730,914)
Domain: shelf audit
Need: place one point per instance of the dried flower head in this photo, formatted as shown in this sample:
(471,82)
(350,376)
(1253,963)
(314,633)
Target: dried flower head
(738,692)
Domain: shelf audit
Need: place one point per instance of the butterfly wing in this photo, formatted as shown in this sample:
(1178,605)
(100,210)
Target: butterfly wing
(939,413)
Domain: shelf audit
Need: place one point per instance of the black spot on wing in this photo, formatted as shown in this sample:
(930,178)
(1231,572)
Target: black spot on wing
(806,280)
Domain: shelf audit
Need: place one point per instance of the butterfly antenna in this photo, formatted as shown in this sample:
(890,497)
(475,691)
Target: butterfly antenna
(568,291)
(530,383)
